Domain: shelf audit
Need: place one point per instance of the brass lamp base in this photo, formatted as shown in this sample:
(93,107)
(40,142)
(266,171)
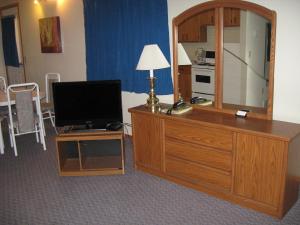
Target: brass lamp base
(152,100)
(180,98)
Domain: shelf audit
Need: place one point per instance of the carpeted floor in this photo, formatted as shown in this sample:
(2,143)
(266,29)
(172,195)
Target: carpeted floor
(32,193)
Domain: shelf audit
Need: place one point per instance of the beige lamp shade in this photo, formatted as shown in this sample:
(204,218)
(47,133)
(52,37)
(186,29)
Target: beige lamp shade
(152,58)
(183,58)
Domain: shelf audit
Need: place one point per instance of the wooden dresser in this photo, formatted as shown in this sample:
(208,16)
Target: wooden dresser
(246,161)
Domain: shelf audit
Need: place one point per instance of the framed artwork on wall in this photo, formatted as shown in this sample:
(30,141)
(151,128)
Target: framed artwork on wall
(50,35)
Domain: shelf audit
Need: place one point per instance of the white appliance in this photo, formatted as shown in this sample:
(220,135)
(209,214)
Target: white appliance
(210,57)
(203,81)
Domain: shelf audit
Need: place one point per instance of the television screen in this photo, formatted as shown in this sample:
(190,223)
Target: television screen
(93,104)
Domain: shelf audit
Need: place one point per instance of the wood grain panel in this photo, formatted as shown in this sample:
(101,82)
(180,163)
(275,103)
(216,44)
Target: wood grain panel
(185,82)
(199,154)
(196,174)
(292,181)
(231,17)
(201,117)
(221,139)
(259,168)
(191,30)
(72,162)
(208,17)
(263,156)
(147,140)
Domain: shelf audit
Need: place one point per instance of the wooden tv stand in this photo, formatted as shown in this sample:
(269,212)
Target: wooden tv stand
(83,153)
(250,162)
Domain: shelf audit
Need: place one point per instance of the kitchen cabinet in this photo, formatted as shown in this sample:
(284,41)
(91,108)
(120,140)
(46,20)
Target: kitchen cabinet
(192,30)
(195,28)
(231,17)
(208,17)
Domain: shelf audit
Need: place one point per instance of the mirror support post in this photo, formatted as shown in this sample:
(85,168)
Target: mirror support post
(219,57)
(175,61)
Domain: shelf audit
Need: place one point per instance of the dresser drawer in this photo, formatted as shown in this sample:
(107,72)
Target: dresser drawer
(199,154)
(212,137)
(196,174)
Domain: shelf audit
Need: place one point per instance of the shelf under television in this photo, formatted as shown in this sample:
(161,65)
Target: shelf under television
(83,162)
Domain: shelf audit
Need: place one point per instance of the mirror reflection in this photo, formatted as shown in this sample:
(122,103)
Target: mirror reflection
(246,58)
(197,36)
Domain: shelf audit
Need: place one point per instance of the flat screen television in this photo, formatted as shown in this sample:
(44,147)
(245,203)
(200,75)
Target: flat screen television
(87,104)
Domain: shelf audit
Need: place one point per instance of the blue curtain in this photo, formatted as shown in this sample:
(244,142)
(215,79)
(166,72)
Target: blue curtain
(116,32)
(9,41)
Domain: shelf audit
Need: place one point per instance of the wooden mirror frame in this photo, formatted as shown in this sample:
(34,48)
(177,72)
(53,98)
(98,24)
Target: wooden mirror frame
(218,6)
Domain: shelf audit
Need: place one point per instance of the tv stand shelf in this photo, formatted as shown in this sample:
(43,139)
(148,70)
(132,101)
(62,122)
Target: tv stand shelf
(92,152)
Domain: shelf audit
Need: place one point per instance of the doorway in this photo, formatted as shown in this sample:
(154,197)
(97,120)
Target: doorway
(11,51)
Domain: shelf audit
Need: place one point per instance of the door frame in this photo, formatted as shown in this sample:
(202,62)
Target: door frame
(15,5)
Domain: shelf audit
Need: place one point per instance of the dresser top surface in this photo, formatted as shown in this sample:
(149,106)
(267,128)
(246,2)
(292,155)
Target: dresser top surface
(284,130)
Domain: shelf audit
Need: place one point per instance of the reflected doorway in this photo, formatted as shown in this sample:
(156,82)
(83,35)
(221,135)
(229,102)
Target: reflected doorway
(11,52)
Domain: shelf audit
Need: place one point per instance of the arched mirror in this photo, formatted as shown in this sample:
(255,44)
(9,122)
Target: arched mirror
(230,45)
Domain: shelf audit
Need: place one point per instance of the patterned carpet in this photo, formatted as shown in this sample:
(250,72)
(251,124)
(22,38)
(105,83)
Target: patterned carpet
(32,193)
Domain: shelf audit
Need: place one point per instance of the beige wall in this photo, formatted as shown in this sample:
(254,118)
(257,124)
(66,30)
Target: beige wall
(71,63)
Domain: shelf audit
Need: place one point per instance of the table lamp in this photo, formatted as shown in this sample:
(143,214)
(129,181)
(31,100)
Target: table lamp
(183,59)
(152,58)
